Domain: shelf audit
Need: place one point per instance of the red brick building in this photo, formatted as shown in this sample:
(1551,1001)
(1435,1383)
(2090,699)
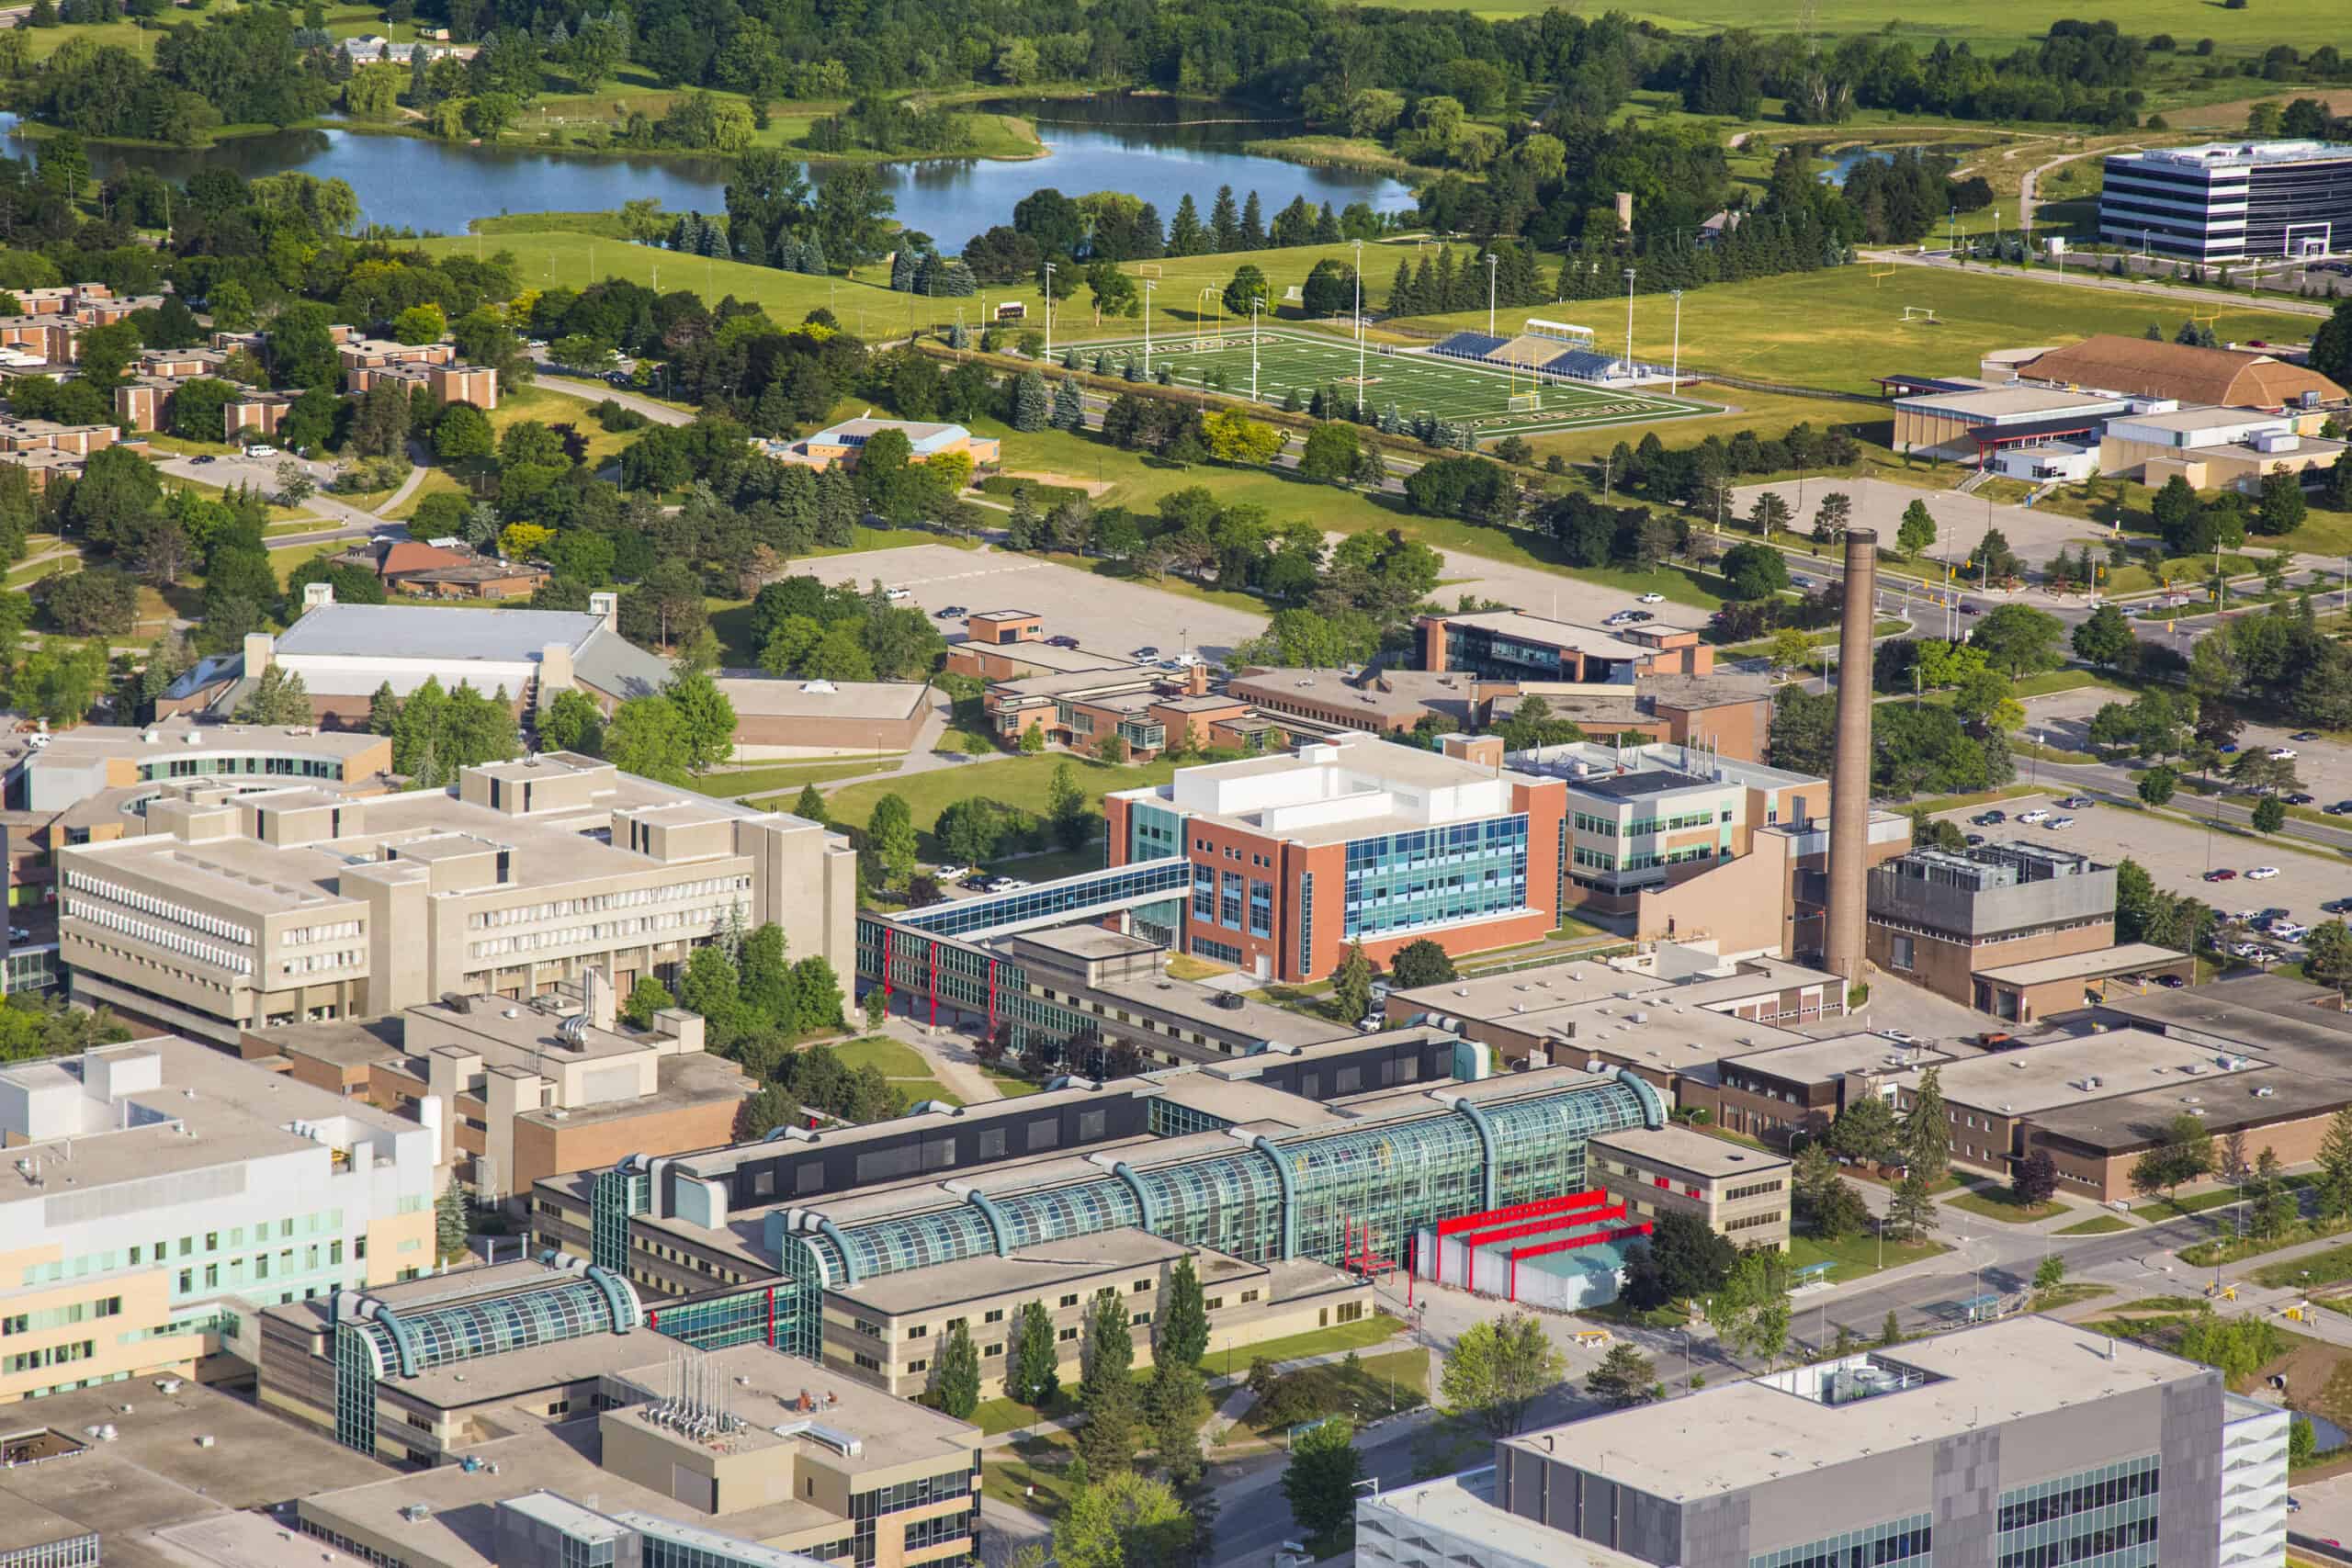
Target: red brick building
(1295,857)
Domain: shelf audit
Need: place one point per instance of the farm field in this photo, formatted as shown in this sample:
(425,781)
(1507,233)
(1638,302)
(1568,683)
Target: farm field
(1279,364)
(1998,22)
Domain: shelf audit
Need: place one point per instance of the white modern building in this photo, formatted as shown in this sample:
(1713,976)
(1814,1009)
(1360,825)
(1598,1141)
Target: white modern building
(2229,201)
(159,1192)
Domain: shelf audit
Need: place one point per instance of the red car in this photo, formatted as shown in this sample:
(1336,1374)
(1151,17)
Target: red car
(2223,876)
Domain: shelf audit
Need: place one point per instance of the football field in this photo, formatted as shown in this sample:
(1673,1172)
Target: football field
(1413,383)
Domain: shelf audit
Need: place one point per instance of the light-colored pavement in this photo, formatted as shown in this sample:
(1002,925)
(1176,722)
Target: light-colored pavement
(1106,614)
(948,1053)
(1961,520)
(2327,1511)
(2180,298)
(597,391)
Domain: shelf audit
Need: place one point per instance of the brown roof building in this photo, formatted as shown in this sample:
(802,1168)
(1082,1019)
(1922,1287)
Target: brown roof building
(2139,368)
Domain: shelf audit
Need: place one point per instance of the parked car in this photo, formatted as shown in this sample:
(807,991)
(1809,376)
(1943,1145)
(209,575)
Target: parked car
(1145,651)
(2228,747)
(2171,982)
(1989,818)
(1064,641)
(1653,599)
(2303,735)
(18,933)
(2282,753)
(2341,808)
(1636,617)
(2289,930)
(895,594)
(2058,822)
(2079,803)
(1617,618)
(1967,609)
(2252,950)
(2033,817)
(2222,873)
(204,458)
(1973,840)
(2262,873)
(952,873)
(953,612)
(2299,799)
(258,450)
(978,882)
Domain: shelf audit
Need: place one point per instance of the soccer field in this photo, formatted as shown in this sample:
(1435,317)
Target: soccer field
(1450,389)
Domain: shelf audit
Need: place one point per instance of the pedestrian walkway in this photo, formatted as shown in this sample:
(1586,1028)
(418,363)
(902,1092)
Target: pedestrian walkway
(1237,1402)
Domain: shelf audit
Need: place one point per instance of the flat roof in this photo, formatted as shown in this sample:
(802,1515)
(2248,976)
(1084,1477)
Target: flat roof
(2120,959)
(1553,633)
(1748,1434)
(770,697)
(1463,1506)
(2200,417)
(1687,1150)
(1054,1265)
(2091,1066)
(1084,942)
(1388,695)
(1993,402)
(1817,1061)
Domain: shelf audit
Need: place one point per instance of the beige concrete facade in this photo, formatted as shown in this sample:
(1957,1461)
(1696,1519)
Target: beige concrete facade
(1742,1195)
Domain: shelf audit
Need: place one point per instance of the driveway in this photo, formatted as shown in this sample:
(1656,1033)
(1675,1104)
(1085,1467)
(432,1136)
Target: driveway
(597,391)
(343,521)
(1108,615)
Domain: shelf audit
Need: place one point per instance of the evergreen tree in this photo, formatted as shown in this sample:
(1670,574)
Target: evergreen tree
(1172,1406)
(811,807)
(1149,245)
(1911,1212)
(1035,1376)
(956,1381)
(1225,222)
(1401,292)
(1926,1130)
(906,262)
(1253,224)
(812,257)
(1106,1389)
(1326,227)
(1184,232)
(1033,405)
(451,1223)
(750,249)
(1069,408)
(1184,1325)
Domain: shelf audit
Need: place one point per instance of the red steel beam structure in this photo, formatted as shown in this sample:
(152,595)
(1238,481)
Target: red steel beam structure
(1568,1243)
(1491,1217)
(1542,1227)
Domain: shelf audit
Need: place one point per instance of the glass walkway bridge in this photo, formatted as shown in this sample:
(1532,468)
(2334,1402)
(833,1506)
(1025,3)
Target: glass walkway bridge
(1087,896)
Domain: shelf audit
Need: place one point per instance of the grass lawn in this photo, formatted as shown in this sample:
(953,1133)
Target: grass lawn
(1050,865)
(2072,1293)
(1857,1256)
(736,782)
(1998,1203)
(1185,966)
(1376,1385)
(1225,1358)
(895,1059)
(1014,1088)
(2102,1224)
(1836,328)
(996,1416)
(2206,1255)
(2049,682)
(2319,1268)
(284,561)
(1029,1474)
(1020,782)
(2194,1203)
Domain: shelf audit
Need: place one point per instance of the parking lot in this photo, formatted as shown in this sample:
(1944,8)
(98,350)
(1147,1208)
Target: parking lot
(1105,615)
(2178,854)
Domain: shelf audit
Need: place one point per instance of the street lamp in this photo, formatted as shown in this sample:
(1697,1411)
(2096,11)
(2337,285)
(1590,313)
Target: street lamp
(1490,293)
(1674,375)
(1049,310)
(1629,320)
(1149,285)
(1359,320)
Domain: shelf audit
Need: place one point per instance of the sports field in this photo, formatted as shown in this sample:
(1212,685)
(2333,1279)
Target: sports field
(1413,383)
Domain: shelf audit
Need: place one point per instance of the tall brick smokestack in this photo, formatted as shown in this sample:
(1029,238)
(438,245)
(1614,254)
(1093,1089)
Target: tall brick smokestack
(1849,769)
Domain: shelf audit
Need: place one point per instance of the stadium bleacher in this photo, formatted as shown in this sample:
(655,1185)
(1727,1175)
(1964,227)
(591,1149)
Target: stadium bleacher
(1583,365)
(1468,345)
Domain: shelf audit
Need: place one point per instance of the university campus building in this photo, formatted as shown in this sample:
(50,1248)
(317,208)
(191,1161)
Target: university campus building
(861,1246)
(2014,1445)
(2230,200)
(234,913)
(160,1193)
(1295,858)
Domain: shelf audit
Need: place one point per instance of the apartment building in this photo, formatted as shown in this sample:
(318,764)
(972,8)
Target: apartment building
(1741,1193)
(236,913)
(1295,858)
(447,379)
(160,1191)
(2021,1443)
(1938,917)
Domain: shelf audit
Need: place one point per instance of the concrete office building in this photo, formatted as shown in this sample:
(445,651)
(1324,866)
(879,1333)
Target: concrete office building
(2215,449)
(2230,200)
(1741,1194)
(2025,1442)
(305,905)
(1509,644)
(160,1191)
(516,1092)
(860,1246)
(1938,918)
(1800,1086)
(1295,858)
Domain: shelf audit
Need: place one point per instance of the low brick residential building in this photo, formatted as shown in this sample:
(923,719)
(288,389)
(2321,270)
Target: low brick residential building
(1741,1193)
(790,714)
(842,444)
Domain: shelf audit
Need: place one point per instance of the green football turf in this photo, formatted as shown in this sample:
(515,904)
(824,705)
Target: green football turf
(1455,390)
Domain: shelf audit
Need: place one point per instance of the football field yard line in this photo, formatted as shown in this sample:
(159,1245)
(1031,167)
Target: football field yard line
(1416,384)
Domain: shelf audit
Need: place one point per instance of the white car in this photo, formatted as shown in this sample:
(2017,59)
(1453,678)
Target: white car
(2282,753)
(894,595)
(2034,816)
(2288,931)
(952,873)
(2253,949)
(261,451)
(1653,599)
(2058,822)
(2262,873)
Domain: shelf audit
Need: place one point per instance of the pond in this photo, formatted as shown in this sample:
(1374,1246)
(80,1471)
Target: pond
(1156,149)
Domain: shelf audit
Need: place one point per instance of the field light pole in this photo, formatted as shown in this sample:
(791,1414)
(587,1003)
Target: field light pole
(1049,311)
(1674,375)
(1254,302)
(1359,321)
(1490,293)
(1629,320)
(1149,285)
